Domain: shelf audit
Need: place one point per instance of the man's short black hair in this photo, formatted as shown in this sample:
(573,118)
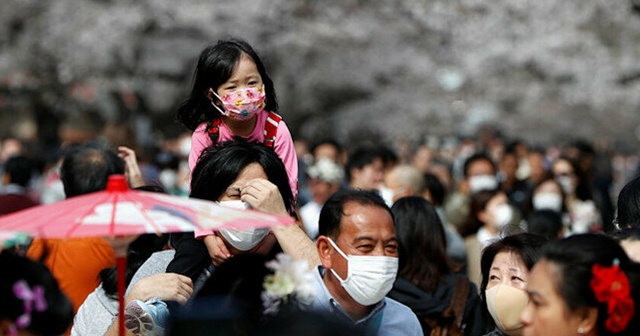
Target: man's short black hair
(333,209)
(477,157)
(19,169)
(86,168)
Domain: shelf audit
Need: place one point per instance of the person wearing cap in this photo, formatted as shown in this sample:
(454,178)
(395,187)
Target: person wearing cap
(325,178)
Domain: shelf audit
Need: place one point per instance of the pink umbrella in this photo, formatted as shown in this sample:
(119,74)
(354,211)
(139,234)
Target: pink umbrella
(119,211)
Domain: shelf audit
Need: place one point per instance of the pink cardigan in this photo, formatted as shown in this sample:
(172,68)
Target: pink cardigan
(283,146)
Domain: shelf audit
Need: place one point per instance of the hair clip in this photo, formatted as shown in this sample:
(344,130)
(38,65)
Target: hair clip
(610,285)
(32,299)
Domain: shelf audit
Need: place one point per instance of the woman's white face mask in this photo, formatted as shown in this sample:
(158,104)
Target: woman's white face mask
(482,182)
(547,201)
(243,240)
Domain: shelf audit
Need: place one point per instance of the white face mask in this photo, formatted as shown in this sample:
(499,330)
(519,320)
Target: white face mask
(503,214)
(243,240)
(482,182)
(566,182)
(185,147)
(387,195)
(547,201)
(369,278)
(505,304)
(168,178)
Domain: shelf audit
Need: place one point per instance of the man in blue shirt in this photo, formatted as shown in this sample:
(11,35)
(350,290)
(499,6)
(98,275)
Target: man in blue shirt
(358,250)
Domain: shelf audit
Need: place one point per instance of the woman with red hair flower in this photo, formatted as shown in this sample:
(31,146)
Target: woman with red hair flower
(583,285)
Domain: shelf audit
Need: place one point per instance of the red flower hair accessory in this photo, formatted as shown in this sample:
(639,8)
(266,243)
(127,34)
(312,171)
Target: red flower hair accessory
(611,286)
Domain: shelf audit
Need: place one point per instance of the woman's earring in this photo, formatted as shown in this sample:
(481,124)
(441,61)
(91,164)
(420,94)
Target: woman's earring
(580,331)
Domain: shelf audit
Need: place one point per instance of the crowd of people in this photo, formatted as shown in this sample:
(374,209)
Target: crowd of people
(482,235)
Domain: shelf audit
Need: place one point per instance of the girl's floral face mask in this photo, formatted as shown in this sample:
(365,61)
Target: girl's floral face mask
(242,104)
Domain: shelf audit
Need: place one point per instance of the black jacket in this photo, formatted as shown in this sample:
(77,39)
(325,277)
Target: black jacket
(423,303)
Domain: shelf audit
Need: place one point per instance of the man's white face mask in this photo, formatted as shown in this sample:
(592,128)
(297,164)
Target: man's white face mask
(369,278)
(243,240)
(482,182)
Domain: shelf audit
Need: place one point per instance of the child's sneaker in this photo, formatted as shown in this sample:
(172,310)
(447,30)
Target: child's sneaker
(146,318)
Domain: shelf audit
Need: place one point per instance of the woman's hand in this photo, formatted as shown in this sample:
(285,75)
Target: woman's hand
(131,168)
(264,196)
(217,249)
(165,286)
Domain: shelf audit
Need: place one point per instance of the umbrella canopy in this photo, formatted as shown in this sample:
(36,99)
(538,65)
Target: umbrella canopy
(119,211)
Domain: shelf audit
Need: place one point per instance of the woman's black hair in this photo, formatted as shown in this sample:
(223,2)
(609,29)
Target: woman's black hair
(219,166)
(436,188)
(527,246)
(583,189)
(574,257)
(58,314)
(422,245)
(631,234)
(215,66)
(478,203)
(546,223)
(629,204)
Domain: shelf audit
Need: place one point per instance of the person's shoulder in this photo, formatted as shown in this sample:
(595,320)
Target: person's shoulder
(395,307)
(201,128)
(400,316)
(162,256)
(471,240)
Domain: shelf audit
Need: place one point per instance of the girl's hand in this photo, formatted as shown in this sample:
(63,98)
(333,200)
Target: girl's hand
(264,196)
(131,168)
(217,249)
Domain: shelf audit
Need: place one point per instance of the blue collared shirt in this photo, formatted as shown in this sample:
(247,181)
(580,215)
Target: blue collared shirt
(388,317)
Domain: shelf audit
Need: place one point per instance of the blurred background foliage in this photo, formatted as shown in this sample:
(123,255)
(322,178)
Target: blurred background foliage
(545,71)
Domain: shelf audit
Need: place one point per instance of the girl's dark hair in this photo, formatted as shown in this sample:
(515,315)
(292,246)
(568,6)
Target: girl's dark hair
(57,316)
(421,242)
(527,246)
(574,258)
(215,66)
(138,252)
(478,203)
(219,166)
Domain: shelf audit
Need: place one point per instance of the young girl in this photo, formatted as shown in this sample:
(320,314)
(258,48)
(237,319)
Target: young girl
(233,98)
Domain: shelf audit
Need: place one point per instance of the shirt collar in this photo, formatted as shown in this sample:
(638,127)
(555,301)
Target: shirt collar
(337,309)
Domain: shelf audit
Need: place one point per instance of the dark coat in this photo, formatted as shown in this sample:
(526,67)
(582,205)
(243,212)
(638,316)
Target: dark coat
(423,303)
